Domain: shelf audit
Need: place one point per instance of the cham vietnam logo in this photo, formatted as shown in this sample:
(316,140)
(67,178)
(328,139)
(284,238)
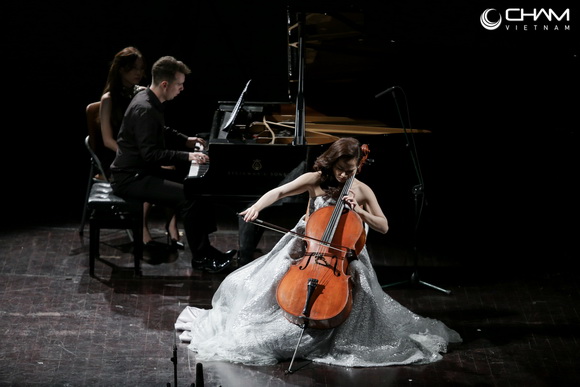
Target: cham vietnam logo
(486,23)
(519,19)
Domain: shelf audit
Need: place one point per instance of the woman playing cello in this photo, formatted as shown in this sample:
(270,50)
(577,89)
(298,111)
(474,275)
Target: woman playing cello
(247,324)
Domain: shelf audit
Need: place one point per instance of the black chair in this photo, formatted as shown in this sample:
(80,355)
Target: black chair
(96,170)
(105,209)
(108,211)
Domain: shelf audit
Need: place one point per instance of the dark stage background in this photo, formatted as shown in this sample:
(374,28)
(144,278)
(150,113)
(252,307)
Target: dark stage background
(500,165)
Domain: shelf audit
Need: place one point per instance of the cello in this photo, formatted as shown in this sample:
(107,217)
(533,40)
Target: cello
(317,291)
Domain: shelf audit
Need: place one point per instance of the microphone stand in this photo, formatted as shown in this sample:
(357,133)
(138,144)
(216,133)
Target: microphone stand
(174,361)
(418,192)
(199,368)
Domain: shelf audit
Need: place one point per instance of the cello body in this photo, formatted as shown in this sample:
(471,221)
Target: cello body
(316,290)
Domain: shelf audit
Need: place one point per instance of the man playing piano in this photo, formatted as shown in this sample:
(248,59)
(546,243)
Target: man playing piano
(137,171)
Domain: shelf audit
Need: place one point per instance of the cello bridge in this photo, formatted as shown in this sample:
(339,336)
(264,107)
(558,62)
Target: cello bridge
(320,259)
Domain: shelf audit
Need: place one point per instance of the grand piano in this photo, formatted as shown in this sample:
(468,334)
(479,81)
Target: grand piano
(255,146)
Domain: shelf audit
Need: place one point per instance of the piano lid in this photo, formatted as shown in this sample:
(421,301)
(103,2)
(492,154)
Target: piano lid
(345,64)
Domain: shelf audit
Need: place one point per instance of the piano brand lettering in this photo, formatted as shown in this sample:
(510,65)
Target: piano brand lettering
(520,19)
(256,174)
(243,171)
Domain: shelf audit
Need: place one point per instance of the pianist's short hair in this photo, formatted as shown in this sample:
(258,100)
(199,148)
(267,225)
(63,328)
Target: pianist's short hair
(165,69)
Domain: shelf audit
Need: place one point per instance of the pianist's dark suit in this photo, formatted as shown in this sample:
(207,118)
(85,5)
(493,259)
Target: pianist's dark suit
(137,173)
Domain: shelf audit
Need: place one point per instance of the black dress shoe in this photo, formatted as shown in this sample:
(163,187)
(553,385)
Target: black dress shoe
(219,261)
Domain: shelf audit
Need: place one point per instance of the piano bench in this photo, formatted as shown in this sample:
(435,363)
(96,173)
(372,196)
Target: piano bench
(108,211)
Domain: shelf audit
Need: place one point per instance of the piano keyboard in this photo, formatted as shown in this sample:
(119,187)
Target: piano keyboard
(197,170)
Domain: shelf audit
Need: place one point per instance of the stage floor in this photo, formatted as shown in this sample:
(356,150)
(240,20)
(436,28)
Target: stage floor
(60,327)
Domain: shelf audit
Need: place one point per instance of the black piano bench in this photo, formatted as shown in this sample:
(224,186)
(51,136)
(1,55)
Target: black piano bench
(108,211)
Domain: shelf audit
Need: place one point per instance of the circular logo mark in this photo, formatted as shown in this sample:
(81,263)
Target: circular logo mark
(257,165)
(486,23)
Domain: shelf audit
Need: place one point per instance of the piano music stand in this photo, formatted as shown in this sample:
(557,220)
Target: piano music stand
(227,131)
(417,191)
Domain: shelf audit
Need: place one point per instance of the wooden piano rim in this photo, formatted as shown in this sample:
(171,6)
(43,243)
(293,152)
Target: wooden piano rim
(360,129)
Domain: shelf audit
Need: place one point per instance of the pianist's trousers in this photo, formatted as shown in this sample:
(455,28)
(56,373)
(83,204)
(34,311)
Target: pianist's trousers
(197,215)
(249,237)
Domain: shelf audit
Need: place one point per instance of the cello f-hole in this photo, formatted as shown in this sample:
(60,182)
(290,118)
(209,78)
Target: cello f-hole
(302,267)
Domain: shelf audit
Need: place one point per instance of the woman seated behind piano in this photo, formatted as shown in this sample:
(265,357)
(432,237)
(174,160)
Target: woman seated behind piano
(247,325)
(125,74)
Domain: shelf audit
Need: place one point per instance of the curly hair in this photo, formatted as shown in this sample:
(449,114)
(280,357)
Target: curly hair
(346,148)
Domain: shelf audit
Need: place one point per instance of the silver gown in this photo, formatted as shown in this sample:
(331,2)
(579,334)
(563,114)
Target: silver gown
(246,325)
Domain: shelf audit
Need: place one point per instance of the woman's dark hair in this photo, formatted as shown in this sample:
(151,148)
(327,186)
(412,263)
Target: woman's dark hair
(346,148)
(124,59)
(120,95)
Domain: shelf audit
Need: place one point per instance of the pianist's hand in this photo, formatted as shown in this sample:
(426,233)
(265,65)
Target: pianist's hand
(193,142)
(198,157)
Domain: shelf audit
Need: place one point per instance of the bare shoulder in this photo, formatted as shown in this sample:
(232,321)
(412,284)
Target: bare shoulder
(106,97)
(361,185)
(307,180)
(310,177)
(363,189)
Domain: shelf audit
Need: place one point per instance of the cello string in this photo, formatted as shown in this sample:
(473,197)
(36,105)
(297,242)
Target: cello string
(341,204)
(331,230)
(329,234)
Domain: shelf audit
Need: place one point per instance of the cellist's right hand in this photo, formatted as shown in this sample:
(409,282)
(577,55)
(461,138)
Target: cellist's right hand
(250,214)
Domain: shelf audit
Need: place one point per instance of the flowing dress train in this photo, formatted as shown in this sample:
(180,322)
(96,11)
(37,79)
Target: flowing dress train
(246,325)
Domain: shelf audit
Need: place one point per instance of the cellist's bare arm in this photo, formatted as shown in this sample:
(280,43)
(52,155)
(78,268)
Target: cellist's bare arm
(303,183)
(365,203)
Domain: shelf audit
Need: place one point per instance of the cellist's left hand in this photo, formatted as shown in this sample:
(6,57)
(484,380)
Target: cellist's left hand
(350,200)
